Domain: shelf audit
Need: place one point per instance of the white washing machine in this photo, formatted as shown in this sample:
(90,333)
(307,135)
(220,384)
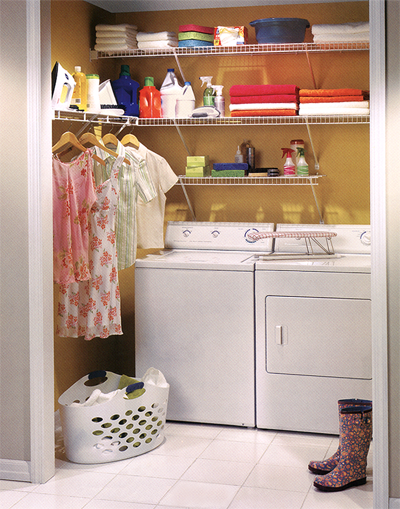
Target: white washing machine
(194,316)
(313,330)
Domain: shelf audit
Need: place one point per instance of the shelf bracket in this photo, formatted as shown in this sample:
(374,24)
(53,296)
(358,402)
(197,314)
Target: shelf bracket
(321,221)
(179,65)
(316,166)
(311,69)
(187,198)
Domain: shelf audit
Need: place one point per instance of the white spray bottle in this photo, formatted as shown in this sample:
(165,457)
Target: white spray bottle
(219,100)
(288,168)
(209,94)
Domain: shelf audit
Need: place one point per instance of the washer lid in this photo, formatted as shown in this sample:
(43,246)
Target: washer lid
(198,259)
(341,263)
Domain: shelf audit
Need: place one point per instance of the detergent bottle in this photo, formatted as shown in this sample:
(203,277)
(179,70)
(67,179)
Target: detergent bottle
(288,168)
(93,97)
(125,90)
(149,100)
(79,95)
(219,100)
(209,92)
(302,166)
(185,102)
(170,91)
(250,156)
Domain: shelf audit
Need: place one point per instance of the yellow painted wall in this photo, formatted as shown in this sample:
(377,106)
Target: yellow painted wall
(342,150)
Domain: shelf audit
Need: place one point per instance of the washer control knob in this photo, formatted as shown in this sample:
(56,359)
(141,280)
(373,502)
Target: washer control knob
(246,235)
(186,233)
(215,234)
(365,238)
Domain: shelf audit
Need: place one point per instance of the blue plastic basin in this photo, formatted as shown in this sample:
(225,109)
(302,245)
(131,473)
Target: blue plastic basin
(280,30)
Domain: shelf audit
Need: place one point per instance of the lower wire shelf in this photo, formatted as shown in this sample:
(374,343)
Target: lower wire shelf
(286,180)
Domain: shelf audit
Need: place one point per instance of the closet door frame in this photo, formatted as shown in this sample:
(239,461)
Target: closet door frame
(41,341)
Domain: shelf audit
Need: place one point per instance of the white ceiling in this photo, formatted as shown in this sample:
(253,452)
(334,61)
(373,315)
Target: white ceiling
(170,5)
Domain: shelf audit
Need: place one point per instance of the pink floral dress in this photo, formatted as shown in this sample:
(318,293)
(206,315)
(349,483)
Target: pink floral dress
(92,308)
(73,197)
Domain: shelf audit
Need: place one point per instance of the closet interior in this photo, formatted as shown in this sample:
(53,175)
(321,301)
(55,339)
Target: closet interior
(340,150)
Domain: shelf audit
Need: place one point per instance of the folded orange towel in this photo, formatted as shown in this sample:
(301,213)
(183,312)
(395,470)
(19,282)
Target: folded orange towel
(264,113)
(286,98)
(326,99)
(325,92)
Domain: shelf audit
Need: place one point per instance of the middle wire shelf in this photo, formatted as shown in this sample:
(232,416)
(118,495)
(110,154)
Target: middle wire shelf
(250,181)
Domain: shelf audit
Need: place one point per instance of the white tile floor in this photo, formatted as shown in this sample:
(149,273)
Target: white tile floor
(197,467)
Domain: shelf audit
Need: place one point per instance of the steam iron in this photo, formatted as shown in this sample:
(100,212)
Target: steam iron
(62,86)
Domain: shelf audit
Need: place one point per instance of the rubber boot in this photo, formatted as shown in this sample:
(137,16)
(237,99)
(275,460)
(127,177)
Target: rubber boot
(325,466)
(355,439)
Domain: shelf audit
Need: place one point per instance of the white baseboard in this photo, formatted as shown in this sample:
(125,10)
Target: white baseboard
(15,470)
(394,503)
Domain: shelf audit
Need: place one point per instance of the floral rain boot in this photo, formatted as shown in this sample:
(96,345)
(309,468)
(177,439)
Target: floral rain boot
(325,466)
(355,439)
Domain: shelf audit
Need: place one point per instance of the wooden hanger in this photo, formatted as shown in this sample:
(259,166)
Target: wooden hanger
(69,138)
(91,138)
(130,139)
(110,138)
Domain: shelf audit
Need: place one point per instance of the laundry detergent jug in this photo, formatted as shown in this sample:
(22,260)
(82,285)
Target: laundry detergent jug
(150,100)
(125,90)
(170,91)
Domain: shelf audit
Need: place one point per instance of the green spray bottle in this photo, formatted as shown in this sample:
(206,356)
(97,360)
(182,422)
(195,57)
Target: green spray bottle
(209,92)
(302,166)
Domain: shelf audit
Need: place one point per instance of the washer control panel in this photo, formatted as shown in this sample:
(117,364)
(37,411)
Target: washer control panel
(218,236)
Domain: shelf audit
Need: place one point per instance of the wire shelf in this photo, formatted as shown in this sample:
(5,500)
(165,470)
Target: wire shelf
(241,49)
(250,181)
(77,116)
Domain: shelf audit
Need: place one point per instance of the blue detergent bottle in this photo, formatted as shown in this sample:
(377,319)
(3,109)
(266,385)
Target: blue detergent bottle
(125,90)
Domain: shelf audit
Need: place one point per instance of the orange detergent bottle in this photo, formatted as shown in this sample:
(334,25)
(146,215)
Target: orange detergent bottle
(149,100)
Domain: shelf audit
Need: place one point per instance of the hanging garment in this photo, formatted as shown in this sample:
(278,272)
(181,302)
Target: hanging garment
(150,216)
(134,181)
(73,197)
(92,308)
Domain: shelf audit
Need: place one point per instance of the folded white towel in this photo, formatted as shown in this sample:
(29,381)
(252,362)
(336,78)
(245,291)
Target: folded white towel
(263,106)
(115,47)
(361,37)
(122,27)
(155,36)
(344,104)
(341,28)
(97,397)
(338,110)
(115,40)
(157,44)
(109,34)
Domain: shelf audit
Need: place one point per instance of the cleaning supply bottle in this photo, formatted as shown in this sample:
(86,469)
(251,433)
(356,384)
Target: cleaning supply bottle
(149,100)
(93,98)
(170,91)
(209,93)
(125,90)
(239,156)
(79,95)
(185,102)
(219,100)
(250,156)
(288,168)
(302,166)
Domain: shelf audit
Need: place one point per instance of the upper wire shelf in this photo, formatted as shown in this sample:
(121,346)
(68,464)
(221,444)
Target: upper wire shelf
(245,181)
(77,116)
(240,49)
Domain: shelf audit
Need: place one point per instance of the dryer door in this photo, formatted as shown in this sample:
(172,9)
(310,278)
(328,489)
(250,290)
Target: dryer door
(325,337)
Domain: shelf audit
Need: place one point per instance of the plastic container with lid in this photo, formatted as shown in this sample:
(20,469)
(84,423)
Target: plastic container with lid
(125,90)
(79,95)
(149,100)
(93,98)
(185,102)
(170,91)
(280,30)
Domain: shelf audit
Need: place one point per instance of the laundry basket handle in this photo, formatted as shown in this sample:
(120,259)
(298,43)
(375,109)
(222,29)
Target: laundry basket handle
(134,387)
(97,374)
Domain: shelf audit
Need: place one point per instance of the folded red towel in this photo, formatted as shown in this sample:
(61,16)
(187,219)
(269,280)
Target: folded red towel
(326,99)
(264,113)
(326,92)
(286,98)
(240,90)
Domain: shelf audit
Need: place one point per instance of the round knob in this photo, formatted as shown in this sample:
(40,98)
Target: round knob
(215,233)
(246,235)
(365,238)
(186,233)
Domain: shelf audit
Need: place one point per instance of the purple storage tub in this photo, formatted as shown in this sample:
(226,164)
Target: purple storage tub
(280,30)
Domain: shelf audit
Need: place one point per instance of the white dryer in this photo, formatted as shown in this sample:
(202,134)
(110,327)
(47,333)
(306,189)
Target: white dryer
(313,330)
(194,316)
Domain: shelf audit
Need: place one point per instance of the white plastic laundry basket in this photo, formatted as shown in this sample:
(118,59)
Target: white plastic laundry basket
(116,429)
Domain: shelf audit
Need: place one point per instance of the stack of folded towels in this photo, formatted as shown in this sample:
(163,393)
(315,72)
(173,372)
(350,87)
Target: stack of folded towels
(263,100)
(149,40)
(341,32)
(338,101)
(110,38)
